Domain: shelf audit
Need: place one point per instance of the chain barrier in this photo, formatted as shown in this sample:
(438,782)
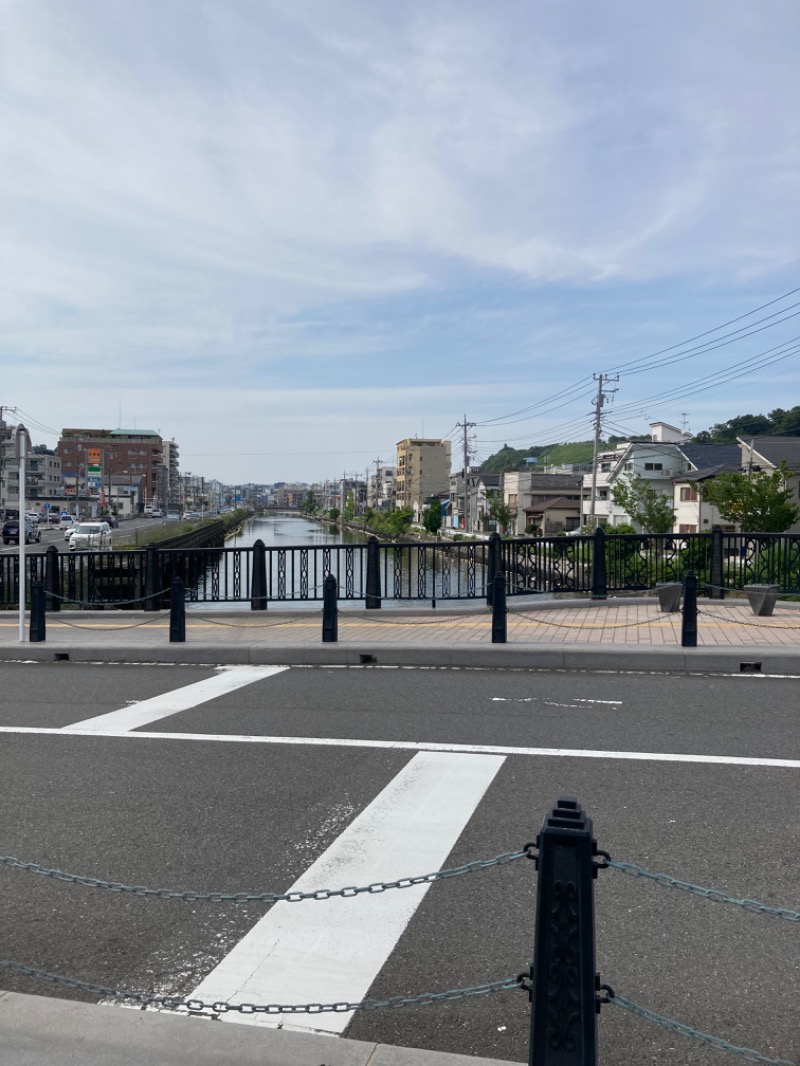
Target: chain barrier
(563,625)
(434,622)
(249,625)
(752,625)
(145,999)
(504,859)
(753,906)
(109,629)
(686,1030)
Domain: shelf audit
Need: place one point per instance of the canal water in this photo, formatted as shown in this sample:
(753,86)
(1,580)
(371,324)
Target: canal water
(289,531)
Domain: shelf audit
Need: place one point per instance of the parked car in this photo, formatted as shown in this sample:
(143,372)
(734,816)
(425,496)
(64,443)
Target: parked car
(91,536)
(66,520)
(191,516)
(33,516)
(11,531)
(52,518)
(156,513)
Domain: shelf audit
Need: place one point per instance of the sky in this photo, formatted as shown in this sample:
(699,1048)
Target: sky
(290,233)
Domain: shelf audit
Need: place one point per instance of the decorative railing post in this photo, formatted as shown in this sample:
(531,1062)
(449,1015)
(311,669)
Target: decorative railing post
(373,589)
(330,617)
(38,618)
(599,564)
(499,613)
(716,592)
(177,612)
(492,565)
(51,579)
(689,620)
(563,994)
(258,589)
(151,582)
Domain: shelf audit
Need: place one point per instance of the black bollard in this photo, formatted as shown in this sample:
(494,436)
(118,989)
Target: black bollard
(258,590)
(499,613)
(330,619)
(373,575)
(563,994)
(177,612)
(492,565)
(38,614)
(689,620)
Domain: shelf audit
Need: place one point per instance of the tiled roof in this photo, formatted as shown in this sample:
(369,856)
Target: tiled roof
(776,449)
(703,455)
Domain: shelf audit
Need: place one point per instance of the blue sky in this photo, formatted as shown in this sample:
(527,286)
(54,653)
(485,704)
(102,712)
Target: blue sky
(289,234)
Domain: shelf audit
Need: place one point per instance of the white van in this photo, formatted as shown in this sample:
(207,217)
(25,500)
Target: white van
(67,520)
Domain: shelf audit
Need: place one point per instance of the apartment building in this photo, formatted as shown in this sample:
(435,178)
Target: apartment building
(89,457)
(422,471)
(548,503)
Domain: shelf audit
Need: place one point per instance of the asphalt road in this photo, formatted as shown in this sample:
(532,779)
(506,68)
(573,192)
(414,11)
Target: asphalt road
(54,535)
(204,801)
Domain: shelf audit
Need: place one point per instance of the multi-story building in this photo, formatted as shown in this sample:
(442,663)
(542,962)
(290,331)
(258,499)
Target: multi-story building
(422,471)
(544,503)
(89,457)
(43,473)
(381,491)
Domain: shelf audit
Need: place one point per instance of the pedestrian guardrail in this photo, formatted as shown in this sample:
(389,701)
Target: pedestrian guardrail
(562,984)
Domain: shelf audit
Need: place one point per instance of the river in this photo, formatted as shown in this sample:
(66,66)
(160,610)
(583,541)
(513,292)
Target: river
(289,531)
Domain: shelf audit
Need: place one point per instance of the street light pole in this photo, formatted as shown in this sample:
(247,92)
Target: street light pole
(22,442)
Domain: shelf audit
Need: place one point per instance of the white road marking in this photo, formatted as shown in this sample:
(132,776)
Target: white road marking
(550,703)
(333,950)
(144,712)
(612,703)
(414,745)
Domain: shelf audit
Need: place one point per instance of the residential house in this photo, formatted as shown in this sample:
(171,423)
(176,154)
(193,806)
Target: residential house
(702,462)
(547,503)
(768,453)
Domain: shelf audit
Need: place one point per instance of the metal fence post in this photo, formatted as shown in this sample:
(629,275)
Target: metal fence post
(177,612)
(258,590)
(492,565)
(151,581)
(330,619)
(563,994)
(716,592)
(373,575)
(499,613)
(38,617)
(689,620)
(51,579)
(599,564)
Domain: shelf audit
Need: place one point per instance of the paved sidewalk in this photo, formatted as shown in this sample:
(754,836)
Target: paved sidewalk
(565,634)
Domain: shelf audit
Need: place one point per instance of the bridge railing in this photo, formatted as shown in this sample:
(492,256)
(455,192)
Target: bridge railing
(374,572)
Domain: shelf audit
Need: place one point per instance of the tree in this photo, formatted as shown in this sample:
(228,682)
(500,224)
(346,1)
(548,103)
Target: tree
(309,504)
(757,502)
(644,505)
(432,516)
(499,510)
(350,505)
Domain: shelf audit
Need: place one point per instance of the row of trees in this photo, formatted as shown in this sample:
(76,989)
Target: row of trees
(758,502)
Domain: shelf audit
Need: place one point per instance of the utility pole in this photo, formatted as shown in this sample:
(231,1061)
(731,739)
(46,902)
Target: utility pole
(598,422)
(466,426)
(377,487)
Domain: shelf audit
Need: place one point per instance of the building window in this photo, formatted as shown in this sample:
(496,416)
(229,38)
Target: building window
(654,466)
(688,493)
(687,529)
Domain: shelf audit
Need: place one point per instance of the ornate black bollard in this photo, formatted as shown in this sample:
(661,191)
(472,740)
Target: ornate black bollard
(563,994)
(330,618)
(373,575)
(499,613)
(689,620)
(38,616)
(177,612)
(599,564)
(151,579)
(51,579)
(258,589)
(492,565)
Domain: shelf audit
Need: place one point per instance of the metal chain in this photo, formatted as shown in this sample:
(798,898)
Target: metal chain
(270,897)
(738,622)
(434,622)
(753,906)
(245,625)
(145,999)
(108,603)
(563,625)
(686,1030)
(109,629)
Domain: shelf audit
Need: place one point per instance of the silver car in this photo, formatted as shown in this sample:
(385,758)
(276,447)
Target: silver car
(91,536)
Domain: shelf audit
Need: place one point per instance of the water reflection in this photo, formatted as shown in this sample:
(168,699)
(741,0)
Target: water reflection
(286,531)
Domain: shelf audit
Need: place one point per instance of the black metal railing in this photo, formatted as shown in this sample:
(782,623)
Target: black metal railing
(375,572)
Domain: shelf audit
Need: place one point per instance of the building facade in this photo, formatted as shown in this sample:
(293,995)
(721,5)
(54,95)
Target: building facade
(90,457)
(422,471)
